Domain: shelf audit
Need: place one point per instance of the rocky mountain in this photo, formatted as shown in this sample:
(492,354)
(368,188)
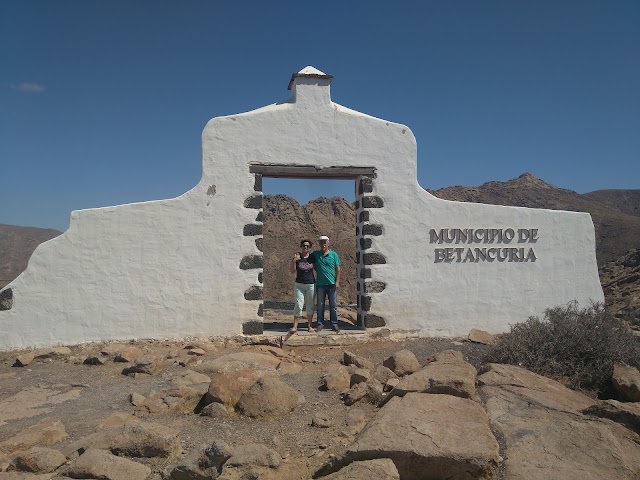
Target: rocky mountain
(16,246)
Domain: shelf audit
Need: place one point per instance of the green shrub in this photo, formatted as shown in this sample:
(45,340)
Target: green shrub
(572,345)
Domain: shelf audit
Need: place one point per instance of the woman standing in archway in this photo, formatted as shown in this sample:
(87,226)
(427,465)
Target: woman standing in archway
(304,286)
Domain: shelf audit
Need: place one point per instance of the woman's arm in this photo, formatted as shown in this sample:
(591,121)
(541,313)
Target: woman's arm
(296,257)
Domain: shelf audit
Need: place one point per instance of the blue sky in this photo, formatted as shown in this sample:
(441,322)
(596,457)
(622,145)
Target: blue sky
(103,103)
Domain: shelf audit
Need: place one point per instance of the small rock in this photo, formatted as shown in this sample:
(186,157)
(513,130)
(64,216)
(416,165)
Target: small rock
(214,410)
(190,377)
(95,360)
(355,393)
(55,352)
(147,364)
(321,420)
(196,351)
(480,336)
(336,380)
(390,384)
(217,454)
(289,368)
(359,375)
(360,362)
(129,354)
(136,399)
(383,374)
(254,454)
(355,420)
(23,360)
(403,362)
(269,397)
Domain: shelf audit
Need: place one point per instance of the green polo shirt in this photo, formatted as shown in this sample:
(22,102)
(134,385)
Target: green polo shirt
(326,266)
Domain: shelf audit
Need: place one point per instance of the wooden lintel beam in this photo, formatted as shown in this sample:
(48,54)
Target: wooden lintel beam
(310,171)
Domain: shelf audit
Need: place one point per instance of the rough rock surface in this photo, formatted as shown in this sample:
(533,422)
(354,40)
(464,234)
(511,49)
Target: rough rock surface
(46,432)
(403,362)
(627,414)
(378,469)
(448,373)
(38,460)
(254,454)
(132,439)
(535,388)
(227,387)
(626,381)
(102,465)
(546,436)
(448,437)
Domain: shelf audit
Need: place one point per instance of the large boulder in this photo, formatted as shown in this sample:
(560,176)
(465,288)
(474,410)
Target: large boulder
(448,374)
(38,460)
(403,362)
(626,381)
(269,397)
(378,469)
(547,437)
(428,437)
(102,465)
(132,439)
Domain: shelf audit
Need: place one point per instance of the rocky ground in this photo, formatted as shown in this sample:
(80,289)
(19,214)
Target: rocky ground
(348,406)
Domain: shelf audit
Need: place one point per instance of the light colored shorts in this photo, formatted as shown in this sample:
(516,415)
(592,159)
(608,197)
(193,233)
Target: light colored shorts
(304,293)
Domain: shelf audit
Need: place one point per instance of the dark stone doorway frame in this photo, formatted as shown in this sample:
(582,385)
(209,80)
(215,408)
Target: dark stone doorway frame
(366,232)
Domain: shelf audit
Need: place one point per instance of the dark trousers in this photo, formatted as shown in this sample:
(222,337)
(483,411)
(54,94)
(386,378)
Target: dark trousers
(332,292)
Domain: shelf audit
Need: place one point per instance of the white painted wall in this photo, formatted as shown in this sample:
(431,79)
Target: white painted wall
(170,268)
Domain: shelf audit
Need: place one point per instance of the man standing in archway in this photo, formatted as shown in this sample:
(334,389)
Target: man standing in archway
(327,265)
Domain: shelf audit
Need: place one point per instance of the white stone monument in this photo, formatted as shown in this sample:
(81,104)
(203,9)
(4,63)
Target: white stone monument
(192,265)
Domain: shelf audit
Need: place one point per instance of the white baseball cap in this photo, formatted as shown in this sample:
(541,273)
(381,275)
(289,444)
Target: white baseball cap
(323,237)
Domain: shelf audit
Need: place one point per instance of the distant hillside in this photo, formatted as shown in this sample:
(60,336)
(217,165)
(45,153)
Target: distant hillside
(16,246)
(627,201)
(616,230)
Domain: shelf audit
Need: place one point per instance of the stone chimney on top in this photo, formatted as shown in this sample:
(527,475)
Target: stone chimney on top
(310,85)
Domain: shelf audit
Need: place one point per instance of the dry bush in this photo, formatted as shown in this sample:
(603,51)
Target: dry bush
(573,345)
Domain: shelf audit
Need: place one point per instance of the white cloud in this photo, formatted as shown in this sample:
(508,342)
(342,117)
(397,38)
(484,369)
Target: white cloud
(27,87)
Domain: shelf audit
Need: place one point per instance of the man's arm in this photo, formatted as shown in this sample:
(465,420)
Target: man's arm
(337,276)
